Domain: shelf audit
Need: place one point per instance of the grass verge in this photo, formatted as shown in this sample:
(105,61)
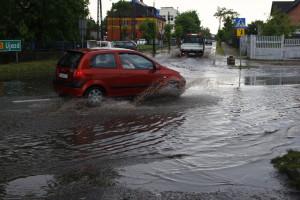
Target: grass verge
(145,48)
(220,50)
(28,70)
(289,164)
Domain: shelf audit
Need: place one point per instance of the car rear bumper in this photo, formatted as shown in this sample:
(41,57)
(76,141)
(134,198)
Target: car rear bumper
(185,51)
(72,88)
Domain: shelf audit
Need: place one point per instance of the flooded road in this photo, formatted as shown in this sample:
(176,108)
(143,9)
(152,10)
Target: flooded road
(216,140)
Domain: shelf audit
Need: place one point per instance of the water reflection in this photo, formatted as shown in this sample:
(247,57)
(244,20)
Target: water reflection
(121,136)
(25,88)
(271,80)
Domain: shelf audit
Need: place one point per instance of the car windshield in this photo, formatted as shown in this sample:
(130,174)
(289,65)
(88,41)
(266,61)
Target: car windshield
(192,40)
(70,59)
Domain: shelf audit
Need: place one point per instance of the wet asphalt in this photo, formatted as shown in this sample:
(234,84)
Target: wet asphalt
(214,142)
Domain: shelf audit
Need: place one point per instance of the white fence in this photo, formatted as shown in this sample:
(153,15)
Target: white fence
(270,47)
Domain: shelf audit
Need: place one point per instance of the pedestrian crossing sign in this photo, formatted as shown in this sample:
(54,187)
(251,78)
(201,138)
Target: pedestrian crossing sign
(240,22)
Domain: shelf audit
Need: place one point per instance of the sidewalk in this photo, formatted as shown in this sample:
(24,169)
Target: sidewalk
(229,51)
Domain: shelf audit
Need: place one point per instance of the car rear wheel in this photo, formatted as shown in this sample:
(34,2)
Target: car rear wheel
(94,96)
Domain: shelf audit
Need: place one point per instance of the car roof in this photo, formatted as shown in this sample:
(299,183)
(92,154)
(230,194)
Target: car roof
(101,49)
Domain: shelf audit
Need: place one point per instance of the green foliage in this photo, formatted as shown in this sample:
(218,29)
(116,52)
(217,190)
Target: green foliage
(255,28)
(42,21)
(148,29)
(189,23)
(28,70)
(223,13)
(205,32)
(226,16)
(122,8)
(168,34)
(289,165)
(278,24)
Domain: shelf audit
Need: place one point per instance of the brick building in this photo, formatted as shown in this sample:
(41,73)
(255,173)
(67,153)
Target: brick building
(125,26)
(291,8)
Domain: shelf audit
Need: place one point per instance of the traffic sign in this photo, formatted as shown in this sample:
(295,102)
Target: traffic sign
(240,32)
(239,22)
(10,45)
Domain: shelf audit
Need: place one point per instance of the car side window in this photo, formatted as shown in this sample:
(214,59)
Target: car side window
(134,61)
(106,60)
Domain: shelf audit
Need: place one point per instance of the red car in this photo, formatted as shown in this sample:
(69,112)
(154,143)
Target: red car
(95,73)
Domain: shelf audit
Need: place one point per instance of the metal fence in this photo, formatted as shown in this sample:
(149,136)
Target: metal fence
(36,51)
(270,47)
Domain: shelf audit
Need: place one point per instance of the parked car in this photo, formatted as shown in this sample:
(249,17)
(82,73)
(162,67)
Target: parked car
(125,44)
(141,42)
(99,44)
(96,73)
(208,42)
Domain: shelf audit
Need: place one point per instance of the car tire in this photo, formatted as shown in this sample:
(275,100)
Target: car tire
(94,96)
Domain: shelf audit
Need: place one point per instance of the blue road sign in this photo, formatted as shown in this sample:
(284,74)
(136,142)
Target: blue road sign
(240,23)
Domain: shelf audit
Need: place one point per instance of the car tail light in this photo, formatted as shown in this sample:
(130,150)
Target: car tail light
(78,74)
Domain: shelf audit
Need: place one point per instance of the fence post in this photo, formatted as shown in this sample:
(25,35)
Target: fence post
(282,47)
(252,46)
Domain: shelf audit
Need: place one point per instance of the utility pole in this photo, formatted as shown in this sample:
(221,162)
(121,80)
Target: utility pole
(101,21)
(98,27)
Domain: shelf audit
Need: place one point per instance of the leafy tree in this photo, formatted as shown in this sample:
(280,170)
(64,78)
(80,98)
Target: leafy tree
(278,24)
(178,33)
(255,28)
(226,16)
(42,21)
(189,21)
(148,29)
(168,34)
(205,32)
(223,13)
(121,8)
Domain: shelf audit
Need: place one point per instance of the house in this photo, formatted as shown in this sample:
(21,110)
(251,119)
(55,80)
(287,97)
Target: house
(291,8)
(169,13)
(126,25)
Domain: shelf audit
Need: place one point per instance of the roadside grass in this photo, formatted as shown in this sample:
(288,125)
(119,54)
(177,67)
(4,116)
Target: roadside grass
(28,70)
(289,165)
(145,48)
(220,50)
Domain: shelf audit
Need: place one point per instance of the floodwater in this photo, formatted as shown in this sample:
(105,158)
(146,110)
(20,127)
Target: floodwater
(215,138)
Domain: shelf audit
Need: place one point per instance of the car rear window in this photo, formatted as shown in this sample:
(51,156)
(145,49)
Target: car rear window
(70,59)
(193,40)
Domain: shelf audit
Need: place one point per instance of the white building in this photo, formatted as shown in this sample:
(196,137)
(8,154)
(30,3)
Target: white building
(169,13)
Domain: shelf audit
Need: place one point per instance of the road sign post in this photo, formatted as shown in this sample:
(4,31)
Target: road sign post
(11,46)
(240,25)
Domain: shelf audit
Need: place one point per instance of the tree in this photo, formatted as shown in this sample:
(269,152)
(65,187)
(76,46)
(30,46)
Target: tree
(255,28)
(178,33)
(189,22)
(226,16)
(223,13)
(168,33)
(205,32)
(148,28)
(122,8)
(40,21)
(278,24)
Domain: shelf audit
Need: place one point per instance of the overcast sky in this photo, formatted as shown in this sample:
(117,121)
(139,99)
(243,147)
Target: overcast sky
(250,9)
